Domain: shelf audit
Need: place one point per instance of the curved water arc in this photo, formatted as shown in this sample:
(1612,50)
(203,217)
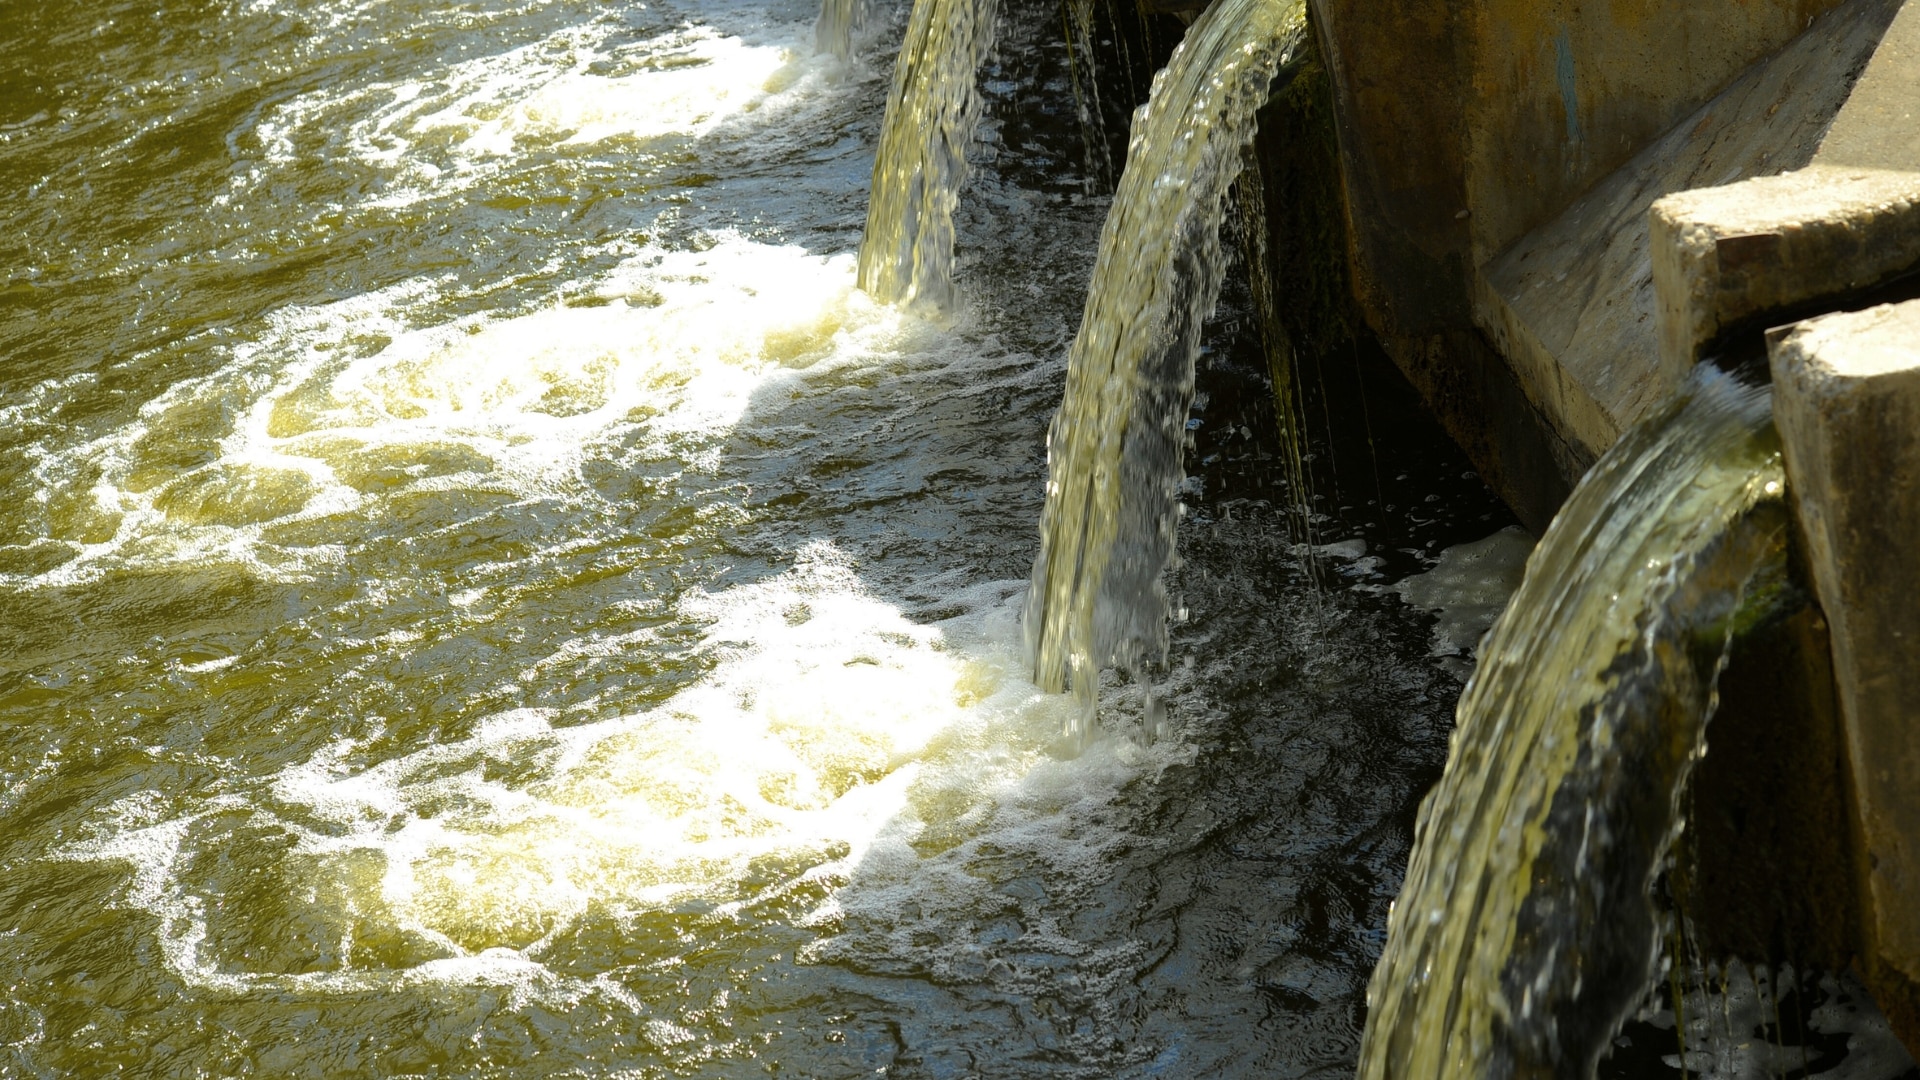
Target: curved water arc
(1114,449)
(1525,931)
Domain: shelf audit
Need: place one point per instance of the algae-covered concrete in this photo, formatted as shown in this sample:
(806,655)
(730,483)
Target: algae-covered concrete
(1398,86)
(1765,861)
(1847,403)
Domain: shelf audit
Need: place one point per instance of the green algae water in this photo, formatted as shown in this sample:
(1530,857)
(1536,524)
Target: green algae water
(484,594)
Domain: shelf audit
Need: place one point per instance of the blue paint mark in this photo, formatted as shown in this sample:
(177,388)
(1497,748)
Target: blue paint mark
(1569,91)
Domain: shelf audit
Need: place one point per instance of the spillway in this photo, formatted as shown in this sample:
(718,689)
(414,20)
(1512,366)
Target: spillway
(920,164)
(1526,933)
(1114,451)
(486,591)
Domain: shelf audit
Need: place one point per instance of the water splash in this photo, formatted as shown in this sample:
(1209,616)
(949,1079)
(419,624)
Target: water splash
(921,162)
(1114,450)
(1525,932)
(1256,233)
(342,410)
(1735,1022)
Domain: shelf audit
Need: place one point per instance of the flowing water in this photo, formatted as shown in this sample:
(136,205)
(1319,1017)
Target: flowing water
(1078,20)
(484,593)
(1526,934)
(921,162)
(1114,451)
(839,27)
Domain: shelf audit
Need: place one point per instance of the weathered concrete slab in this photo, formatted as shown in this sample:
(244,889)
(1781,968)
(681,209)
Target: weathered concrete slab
(1463,124)
(1571,304)
(1723,256)
(1847,403)
(1880,127)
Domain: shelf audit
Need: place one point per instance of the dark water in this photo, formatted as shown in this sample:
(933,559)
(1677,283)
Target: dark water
(482,594)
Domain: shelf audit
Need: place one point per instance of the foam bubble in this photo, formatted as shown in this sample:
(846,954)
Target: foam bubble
(1740,1023)
(687,85)
(1469,587)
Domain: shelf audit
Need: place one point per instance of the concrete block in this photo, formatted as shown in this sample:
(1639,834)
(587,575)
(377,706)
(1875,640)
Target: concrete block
(1847,404)
(1728,257)
(1566,91)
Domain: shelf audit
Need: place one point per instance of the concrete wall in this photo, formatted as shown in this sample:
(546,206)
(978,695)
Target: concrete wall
(1571,304)
(1847,402)
(1399,81)
(1466,124)
(1462,125)
(1565,91)
(1826,262)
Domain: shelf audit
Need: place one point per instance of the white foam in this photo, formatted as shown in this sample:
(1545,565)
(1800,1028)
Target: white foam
(335,408)
(446,130)
(1733,1019)
(832,737)
(1469,587)
(690,84)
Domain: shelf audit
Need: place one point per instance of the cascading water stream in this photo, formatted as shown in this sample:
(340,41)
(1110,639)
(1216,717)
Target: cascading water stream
(1525,932)
(839,26)
(1114,449)
(921,161)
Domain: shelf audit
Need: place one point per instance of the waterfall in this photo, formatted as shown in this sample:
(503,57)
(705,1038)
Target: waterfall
(921,162)
(1114,449)
(839,26)
(1525,932)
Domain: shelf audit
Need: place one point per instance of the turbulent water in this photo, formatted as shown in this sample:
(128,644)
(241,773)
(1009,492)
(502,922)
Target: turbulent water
(484,593)
(1725,1021)
(921,162)
(1525,933)
(1114,452)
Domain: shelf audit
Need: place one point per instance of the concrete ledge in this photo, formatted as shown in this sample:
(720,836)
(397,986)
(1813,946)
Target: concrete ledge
(1847,403)
(1571,304)
(1880,128)
(1724,256)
